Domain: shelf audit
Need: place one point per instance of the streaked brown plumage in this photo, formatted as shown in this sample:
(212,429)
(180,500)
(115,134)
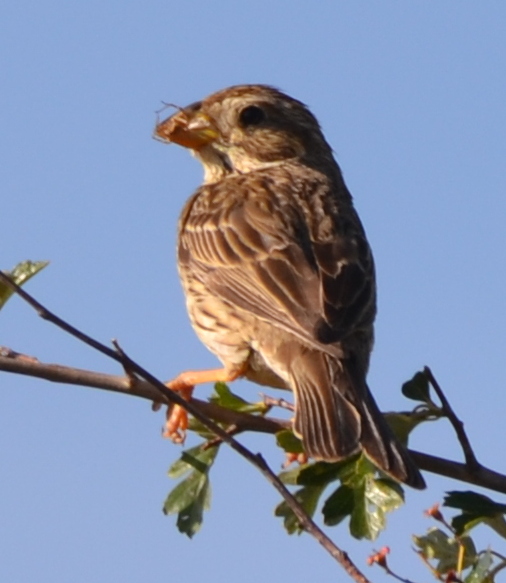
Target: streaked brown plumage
(277,272)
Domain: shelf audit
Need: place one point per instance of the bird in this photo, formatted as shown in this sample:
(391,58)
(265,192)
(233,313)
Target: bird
(277,272)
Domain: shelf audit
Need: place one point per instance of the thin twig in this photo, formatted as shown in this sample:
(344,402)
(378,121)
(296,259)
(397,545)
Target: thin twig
(395,576)
(380,558)
(497,568)
(471,461)
(255,459)
(425,561)
(231,430)
(281,403)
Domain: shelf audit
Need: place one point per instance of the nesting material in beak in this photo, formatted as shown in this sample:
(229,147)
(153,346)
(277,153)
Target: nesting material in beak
(189,129)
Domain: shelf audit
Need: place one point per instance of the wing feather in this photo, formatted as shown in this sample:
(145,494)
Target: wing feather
(262,256)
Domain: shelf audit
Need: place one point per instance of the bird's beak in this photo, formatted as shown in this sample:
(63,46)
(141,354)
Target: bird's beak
(188,128)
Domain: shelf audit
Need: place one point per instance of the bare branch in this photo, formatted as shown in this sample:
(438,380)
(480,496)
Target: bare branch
(17,363)
(472,463)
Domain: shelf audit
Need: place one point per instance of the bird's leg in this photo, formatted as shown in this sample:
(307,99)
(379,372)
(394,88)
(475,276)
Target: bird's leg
(298,458)
(177,418)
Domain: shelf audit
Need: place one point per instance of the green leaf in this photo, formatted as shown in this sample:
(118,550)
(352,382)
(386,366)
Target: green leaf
(308,498)
(289,442)
(436,545)
(192,495)
(365,522)
(321,473)
(338,505)
(355,471)
(464,523)
(225,398)
(314,474)
(476,509)
(189,520)
(373,499)
(291,477)
(402,424)
(20,275)
(361,495)
(196,458)
(185,493)
(498,524)
(473,502)
(197,427)
(480,571)
(417,388)
(385,493)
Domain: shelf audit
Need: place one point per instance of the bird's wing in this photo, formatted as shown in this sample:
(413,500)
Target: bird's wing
(262,257)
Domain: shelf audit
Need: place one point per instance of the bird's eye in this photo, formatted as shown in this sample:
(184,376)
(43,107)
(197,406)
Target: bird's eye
(251,116)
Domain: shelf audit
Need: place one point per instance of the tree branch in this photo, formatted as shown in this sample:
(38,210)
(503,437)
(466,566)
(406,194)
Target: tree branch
(13,362)
(166,395)
(472,463)
(17,363)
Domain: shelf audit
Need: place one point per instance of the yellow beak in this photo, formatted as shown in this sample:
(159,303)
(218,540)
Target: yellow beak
(189,129)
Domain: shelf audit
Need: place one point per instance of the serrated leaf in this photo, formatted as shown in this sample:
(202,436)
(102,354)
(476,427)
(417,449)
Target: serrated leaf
(437,545)
(196,458)
(308,498)
(291,477)
(189,520)
(366,521)
(185,493)
(20,275)
(476,509)
(373,499)
(480,571)
(355,471)
(192,495)
(314,474)
(417,388)
(320,473)
(287,441)
(225,398)
(338,505)
(473,502)
(385,493)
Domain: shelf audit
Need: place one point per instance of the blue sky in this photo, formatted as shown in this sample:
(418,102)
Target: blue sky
(411,95)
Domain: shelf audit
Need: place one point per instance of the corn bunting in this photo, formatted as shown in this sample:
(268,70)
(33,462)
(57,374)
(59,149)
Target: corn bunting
(276,268)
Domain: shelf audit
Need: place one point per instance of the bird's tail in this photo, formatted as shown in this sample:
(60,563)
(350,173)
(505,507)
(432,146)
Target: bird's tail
(336,416)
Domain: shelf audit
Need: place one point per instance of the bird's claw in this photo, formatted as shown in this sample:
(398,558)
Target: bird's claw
(298,458)
(176,423)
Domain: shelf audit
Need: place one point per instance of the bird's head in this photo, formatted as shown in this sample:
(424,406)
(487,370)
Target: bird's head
(246,128)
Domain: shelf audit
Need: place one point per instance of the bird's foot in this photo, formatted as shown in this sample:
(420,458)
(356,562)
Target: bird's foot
(176,423)
(177,417)
(298,458)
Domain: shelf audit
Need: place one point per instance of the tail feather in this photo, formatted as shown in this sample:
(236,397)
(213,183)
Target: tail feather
(383,448)
(336,416)
(329,424)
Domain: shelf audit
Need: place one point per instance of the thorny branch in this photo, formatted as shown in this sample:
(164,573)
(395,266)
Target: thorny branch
(166,395)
